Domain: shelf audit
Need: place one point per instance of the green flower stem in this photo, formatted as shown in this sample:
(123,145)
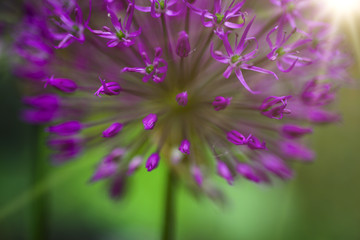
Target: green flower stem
(168,232)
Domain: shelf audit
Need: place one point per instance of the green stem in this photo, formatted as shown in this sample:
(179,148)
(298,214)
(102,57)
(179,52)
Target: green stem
(168,232)
(39,208)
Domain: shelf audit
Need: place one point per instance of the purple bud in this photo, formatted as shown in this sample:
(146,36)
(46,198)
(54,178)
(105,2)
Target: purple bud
(183,45)
(297,151)
(38,116)
(248,172)
(110,88)
(197,175)
(182,98)
(220,103)
(67,148)
(152,162)
(63,84)
(149,121)
(322,116)
(117,187)
(236,138)
(104,170)
(185,147)
(274,107)
(66,128)
(224,172)
(254,143)
(277,166)
(114,129)
(134,164)
(45,101)
(293,131)
(114,155)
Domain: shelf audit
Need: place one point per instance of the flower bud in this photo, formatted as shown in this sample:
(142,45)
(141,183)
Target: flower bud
(63,84)
(293,131)
(236,138)
(66,128)
(322,116)
(110,88)
(183,45)
(277,166)
(274,107)
(197,175)
(220,103)
(254,143)
(182,98)
(149,121)
(134,164)
(114,129)
(185,147)
(38,116)
(248,172)
(45,101)
(297,151)
(153,161)
(224,172)
(315,94)
(104,170)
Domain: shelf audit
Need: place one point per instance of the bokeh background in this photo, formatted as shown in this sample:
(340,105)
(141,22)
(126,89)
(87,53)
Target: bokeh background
(321,203)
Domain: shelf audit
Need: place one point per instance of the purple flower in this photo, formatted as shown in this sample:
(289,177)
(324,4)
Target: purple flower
(198,59)
(283,54)
(275,107)
(220,103)
(66,128)
(236,59)
(221,17)
(183,45)
(182,98)
(63,84)
(185,147)
(159,7)
(149,121)
(224,172)
(152,70)
(121,36)
(113,130)
(110,88)
(152,162)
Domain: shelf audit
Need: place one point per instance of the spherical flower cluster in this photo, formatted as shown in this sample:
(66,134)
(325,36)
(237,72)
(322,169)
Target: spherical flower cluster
(201,86)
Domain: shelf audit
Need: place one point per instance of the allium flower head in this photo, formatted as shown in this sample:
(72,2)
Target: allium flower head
(202,86)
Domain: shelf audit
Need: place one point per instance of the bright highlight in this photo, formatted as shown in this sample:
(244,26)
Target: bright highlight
(342,7)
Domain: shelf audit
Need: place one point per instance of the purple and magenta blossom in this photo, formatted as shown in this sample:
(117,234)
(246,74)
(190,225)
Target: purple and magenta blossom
(113,130)
(110,88)
(121,36)
(317,94)
(183,45)
(152,70)
(275,107)
(149,121)
(185,147)
(283,53)
(152,162)
(236,59)
(159,7)
(71,30)
(182,98)
(66,128)
(224,172)
(277,166)
(197,175)
(222,17)
(193,60)
(63,84)
(134,164)
(220,103)
(293,131)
